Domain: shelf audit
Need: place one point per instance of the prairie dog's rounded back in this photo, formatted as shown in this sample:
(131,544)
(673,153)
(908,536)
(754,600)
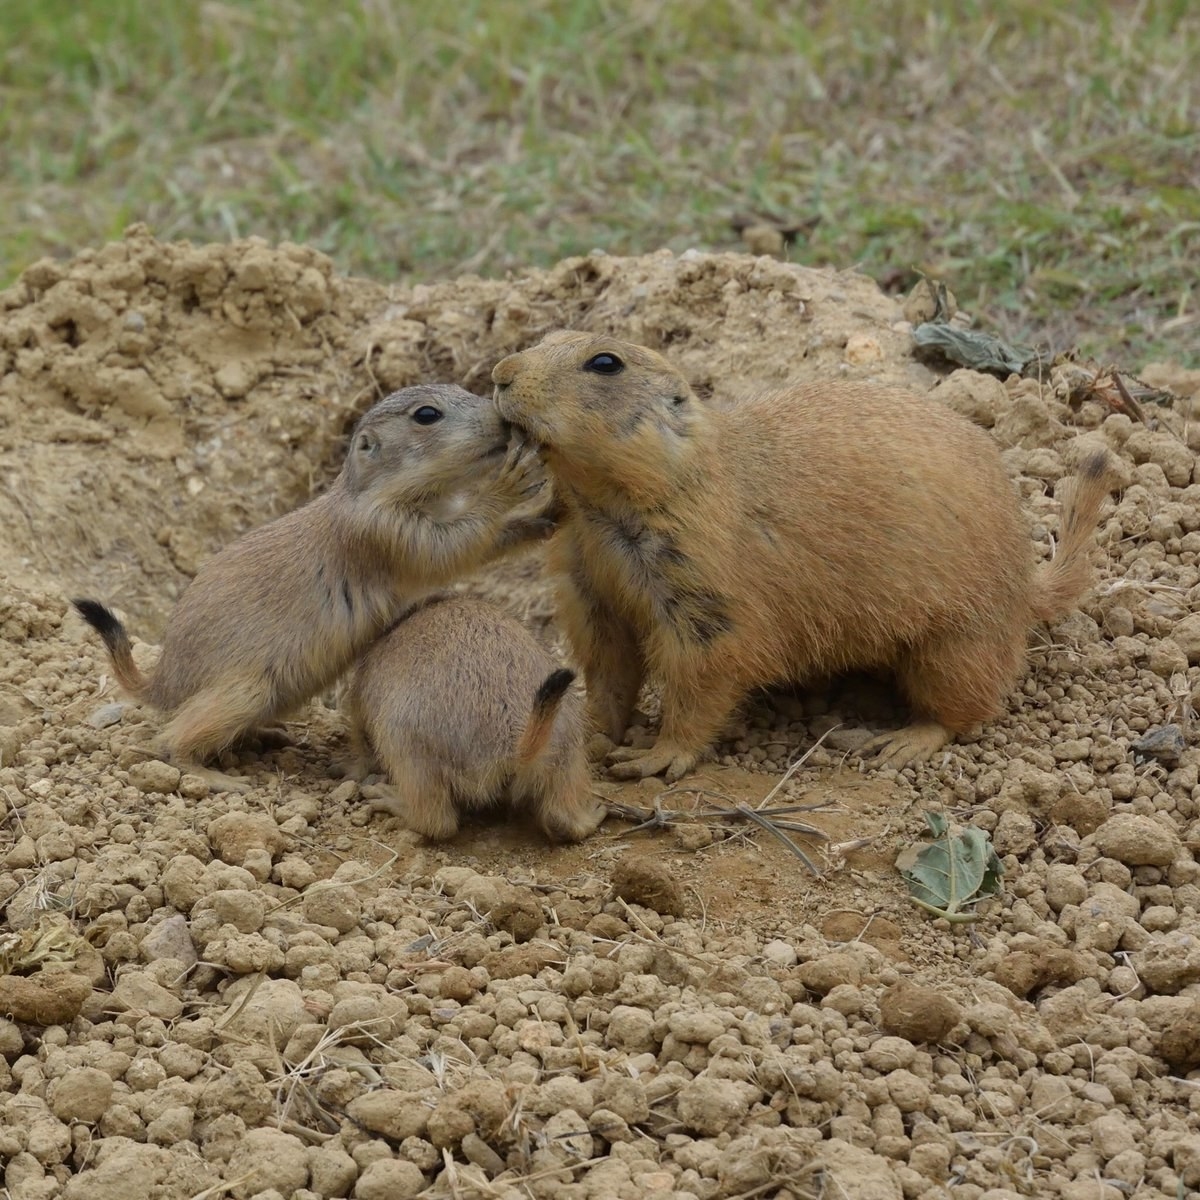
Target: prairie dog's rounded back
(896,512)
(460,675)
(461,705)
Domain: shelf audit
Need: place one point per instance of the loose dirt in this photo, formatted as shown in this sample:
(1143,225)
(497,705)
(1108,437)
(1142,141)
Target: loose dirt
(285,995)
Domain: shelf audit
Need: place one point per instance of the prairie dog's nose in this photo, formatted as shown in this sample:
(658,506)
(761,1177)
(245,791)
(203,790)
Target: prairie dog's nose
(505,371)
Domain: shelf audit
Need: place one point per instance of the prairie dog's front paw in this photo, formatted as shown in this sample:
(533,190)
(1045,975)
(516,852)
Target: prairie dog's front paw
(522,473)
(554,511)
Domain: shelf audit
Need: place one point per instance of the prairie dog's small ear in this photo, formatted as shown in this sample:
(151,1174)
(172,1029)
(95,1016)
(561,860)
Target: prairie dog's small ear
(367,443)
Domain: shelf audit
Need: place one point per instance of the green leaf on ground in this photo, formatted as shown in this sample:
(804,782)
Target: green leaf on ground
(952,873)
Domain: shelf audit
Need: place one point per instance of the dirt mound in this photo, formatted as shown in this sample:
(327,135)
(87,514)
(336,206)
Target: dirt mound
(282,995)
(158,399)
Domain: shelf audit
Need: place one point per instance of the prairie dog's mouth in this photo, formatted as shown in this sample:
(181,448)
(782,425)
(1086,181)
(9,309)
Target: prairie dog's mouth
(525,433)
(514,435)
(517,425)
(500,402)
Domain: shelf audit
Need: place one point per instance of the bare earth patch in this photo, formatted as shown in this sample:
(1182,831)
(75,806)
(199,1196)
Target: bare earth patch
(284,995)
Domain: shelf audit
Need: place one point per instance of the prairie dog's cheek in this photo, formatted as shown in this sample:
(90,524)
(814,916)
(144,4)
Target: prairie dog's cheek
(452,506)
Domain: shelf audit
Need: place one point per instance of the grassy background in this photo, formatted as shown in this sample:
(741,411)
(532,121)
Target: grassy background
(1041,156)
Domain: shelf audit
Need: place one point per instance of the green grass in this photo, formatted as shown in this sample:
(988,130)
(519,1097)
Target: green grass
(1042,157)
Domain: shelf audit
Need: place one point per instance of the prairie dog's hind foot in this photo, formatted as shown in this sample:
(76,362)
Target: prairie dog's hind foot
(673,762)
(912,744)
(599,747)
(272,733)
(217,781)
(354,767)
(575,822)
(432,814)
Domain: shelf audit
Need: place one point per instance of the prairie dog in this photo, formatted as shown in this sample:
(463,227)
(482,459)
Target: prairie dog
(793,535)
(427,492)
(460,704)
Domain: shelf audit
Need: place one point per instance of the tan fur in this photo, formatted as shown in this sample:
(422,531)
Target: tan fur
(276,617)
(791,535)
(448,701)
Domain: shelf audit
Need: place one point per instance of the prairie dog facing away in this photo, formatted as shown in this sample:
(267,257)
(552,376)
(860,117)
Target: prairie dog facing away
(433,486)
(790,536)
(461,704)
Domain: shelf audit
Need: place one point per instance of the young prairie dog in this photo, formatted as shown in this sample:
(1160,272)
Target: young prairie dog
(431,488)
(797,534)
(461,704)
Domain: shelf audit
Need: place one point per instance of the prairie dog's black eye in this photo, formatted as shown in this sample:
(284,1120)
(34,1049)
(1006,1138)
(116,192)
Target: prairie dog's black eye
(604,364)
(427,415)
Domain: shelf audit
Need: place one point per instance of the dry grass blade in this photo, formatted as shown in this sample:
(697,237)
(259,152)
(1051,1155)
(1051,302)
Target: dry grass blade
(548,1171)
(315,1136)
(243,1000)
(727,810)
(835,853)
(1131,406)
(648,935)
(804,1179)
(655,818)
(331,884)
(794,767)
(219,1189)
(764,822)
(1119,390)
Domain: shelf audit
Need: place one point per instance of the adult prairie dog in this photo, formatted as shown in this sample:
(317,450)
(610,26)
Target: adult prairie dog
(793,535)
(431,488)
(461,704)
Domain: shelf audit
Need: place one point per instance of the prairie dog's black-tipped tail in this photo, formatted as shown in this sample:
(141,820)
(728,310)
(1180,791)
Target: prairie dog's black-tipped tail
(1060,582)
(102,620)
(553,689)
(116,641)
(546,703)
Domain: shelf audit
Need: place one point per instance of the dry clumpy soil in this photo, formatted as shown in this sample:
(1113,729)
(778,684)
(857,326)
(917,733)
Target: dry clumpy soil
(283,995)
